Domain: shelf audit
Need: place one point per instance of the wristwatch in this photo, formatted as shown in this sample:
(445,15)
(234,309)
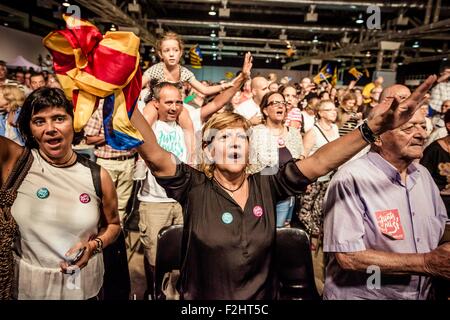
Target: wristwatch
(367,133)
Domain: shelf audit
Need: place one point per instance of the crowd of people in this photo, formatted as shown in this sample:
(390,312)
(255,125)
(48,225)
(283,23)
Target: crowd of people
(363,170)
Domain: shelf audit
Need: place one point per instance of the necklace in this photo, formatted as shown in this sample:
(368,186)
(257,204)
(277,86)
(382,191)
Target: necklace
(230,190)
(280,139)
(66,163)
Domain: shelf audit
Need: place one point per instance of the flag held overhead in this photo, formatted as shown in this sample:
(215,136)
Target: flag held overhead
(91,66)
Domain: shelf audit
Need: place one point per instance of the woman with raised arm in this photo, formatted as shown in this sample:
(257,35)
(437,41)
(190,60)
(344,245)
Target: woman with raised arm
(229,215)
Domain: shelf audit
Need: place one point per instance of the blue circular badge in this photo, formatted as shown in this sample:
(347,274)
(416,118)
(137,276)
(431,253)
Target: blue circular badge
(43,193)
(227,218)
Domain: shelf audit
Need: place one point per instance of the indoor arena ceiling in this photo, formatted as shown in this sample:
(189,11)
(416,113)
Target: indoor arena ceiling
(288,33)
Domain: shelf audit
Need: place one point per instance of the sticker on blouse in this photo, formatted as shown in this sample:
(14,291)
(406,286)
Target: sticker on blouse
(227,218)
(258,211)
(84,198)
(43,193)
(390,224)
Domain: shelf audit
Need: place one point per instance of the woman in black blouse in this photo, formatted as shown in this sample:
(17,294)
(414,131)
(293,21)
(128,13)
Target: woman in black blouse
(436,158)
(229,216)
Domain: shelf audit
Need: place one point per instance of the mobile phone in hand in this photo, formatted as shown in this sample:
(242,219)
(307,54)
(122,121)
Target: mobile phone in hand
(75,257)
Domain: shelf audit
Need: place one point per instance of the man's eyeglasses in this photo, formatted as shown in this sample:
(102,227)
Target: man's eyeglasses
(277,103)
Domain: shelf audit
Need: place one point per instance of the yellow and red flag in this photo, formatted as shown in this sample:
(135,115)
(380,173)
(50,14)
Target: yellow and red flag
(91,66)
(354,72)
(196,57)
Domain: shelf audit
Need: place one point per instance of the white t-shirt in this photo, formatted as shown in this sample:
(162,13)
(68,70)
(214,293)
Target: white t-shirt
(170,137)
(248,109)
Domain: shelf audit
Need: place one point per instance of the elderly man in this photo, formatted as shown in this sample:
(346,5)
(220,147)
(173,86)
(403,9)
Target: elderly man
(249,109)
(384,219)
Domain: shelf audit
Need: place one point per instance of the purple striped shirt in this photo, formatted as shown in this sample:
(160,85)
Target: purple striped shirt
(367,206)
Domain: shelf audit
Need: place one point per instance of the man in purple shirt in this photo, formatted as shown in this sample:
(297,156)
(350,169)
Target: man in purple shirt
(383,221)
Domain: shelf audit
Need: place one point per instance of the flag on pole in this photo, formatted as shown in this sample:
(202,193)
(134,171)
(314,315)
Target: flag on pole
(196,57)
(91,66)
(334,77)
(367,73)
(323,74)
(354,72)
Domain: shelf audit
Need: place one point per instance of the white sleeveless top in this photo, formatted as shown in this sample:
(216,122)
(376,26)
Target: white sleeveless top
(49,226)
(321,141)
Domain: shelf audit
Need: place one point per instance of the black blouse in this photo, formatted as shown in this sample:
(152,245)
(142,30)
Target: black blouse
(437,161)
(228,252)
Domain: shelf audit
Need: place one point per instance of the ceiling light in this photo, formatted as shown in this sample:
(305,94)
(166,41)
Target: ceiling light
(5,24)
(360,19)
(66,4)
(219,57)
(267,47)
(315,40)
(368,54)
(352,7)
(222,33)
(283,60)
(444,59)
(224,12)
(152,50)
(416,45)
(113,27)
(267,60)
(159,30)
(283,35)
(213,45)
(213,34)
(311,16)
(339,60)
(212,12)
(277,56)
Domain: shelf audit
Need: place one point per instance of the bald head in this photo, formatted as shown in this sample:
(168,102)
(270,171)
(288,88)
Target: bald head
(260,86)
(396,90)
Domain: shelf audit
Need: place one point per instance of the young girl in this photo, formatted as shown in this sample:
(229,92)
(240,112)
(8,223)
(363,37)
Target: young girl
(170,49)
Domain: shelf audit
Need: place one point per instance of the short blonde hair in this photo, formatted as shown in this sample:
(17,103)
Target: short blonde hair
(218,121)
(169,35)
(14,95)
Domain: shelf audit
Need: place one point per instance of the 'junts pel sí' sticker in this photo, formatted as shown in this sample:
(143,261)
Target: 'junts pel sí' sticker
(84,198)
(258,211)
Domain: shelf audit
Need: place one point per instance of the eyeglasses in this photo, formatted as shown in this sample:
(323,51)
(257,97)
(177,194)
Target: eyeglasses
(328,109)
(277,103)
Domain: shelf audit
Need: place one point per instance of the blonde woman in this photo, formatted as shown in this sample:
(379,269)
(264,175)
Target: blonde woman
(11,100)
(229,216)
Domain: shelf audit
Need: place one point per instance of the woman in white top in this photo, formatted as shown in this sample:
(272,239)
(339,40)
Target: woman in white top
(323,131)
(272,145)
(59,208)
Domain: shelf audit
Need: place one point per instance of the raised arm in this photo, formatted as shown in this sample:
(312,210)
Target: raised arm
(160,162)
(386,116)
(223,98)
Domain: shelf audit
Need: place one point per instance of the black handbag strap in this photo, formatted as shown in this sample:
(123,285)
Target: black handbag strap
(323,134)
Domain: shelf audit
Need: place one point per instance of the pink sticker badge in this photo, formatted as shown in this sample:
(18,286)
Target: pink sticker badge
(389,223)
(84,198)
(258,211)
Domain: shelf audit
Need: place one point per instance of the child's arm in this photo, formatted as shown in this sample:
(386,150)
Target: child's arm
(185,122)
(210,90)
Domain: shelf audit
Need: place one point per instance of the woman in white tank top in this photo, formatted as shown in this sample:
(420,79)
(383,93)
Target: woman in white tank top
(59,209)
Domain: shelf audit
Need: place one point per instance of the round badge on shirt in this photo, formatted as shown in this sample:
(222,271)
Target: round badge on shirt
(84,198)
(42,193)
(258,211)
(227,218)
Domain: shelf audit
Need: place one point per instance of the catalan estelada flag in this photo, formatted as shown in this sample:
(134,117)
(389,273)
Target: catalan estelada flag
(196,57)
(91,66)
(354,72)
(334,77)
(323,74)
